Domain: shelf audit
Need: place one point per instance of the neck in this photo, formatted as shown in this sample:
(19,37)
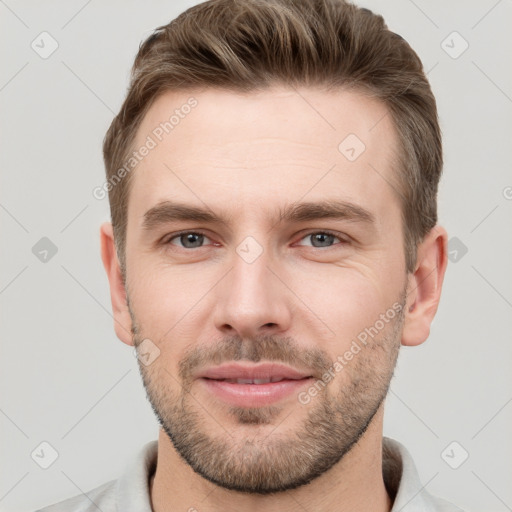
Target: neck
(354,484)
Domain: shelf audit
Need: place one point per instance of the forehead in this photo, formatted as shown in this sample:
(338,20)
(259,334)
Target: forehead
(268,147)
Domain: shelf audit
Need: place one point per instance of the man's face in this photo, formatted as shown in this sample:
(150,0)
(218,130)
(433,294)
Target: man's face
(262,287)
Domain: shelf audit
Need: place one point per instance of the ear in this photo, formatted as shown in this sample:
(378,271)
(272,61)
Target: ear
(122,318)
(424,286)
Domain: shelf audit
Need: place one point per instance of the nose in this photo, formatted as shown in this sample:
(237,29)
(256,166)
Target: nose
(252,300)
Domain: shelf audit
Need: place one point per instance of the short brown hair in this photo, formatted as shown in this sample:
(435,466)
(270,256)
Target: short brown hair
(249,45)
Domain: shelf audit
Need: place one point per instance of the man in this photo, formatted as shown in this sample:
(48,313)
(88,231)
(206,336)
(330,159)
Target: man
(272,177)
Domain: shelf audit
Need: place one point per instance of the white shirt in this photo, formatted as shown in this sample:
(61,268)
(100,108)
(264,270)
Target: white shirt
(130,493)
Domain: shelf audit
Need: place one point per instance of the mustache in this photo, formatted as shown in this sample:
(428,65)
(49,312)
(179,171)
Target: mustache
(263,348)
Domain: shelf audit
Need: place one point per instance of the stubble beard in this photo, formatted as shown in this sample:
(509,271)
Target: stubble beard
(272,461)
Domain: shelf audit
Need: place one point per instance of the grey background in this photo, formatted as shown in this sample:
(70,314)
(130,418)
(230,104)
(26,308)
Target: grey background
(67,380)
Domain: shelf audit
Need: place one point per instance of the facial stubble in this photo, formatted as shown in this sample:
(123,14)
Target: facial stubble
(333,421)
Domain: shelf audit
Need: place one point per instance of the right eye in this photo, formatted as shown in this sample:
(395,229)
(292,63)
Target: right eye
(187,239)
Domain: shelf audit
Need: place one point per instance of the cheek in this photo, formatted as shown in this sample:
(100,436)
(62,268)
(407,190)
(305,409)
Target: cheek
(167,301)
(347,300)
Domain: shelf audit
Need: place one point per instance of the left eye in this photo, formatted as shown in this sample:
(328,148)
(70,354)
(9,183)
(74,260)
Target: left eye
(321,239)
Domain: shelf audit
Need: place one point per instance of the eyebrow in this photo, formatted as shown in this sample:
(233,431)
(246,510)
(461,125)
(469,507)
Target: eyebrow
(169,211)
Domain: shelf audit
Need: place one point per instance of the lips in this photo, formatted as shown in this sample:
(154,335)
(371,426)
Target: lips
(253,381)
(253,374)
(247,385)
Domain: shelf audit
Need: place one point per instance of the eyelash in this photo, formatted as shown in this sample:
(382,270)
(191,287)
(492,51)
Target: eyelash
(343,240)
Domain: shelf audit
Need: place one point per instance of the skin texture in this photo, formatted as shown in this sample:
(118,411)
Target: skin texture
(303,300)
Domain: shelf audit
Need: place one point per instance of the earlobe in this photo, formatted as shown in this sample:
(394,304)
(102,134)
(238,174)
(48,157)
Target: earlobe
(121,313)
(424,288)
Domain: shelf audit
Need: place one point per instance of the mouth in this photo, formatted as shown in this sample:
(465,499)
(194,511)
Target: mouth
(245,385)
(254,381)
